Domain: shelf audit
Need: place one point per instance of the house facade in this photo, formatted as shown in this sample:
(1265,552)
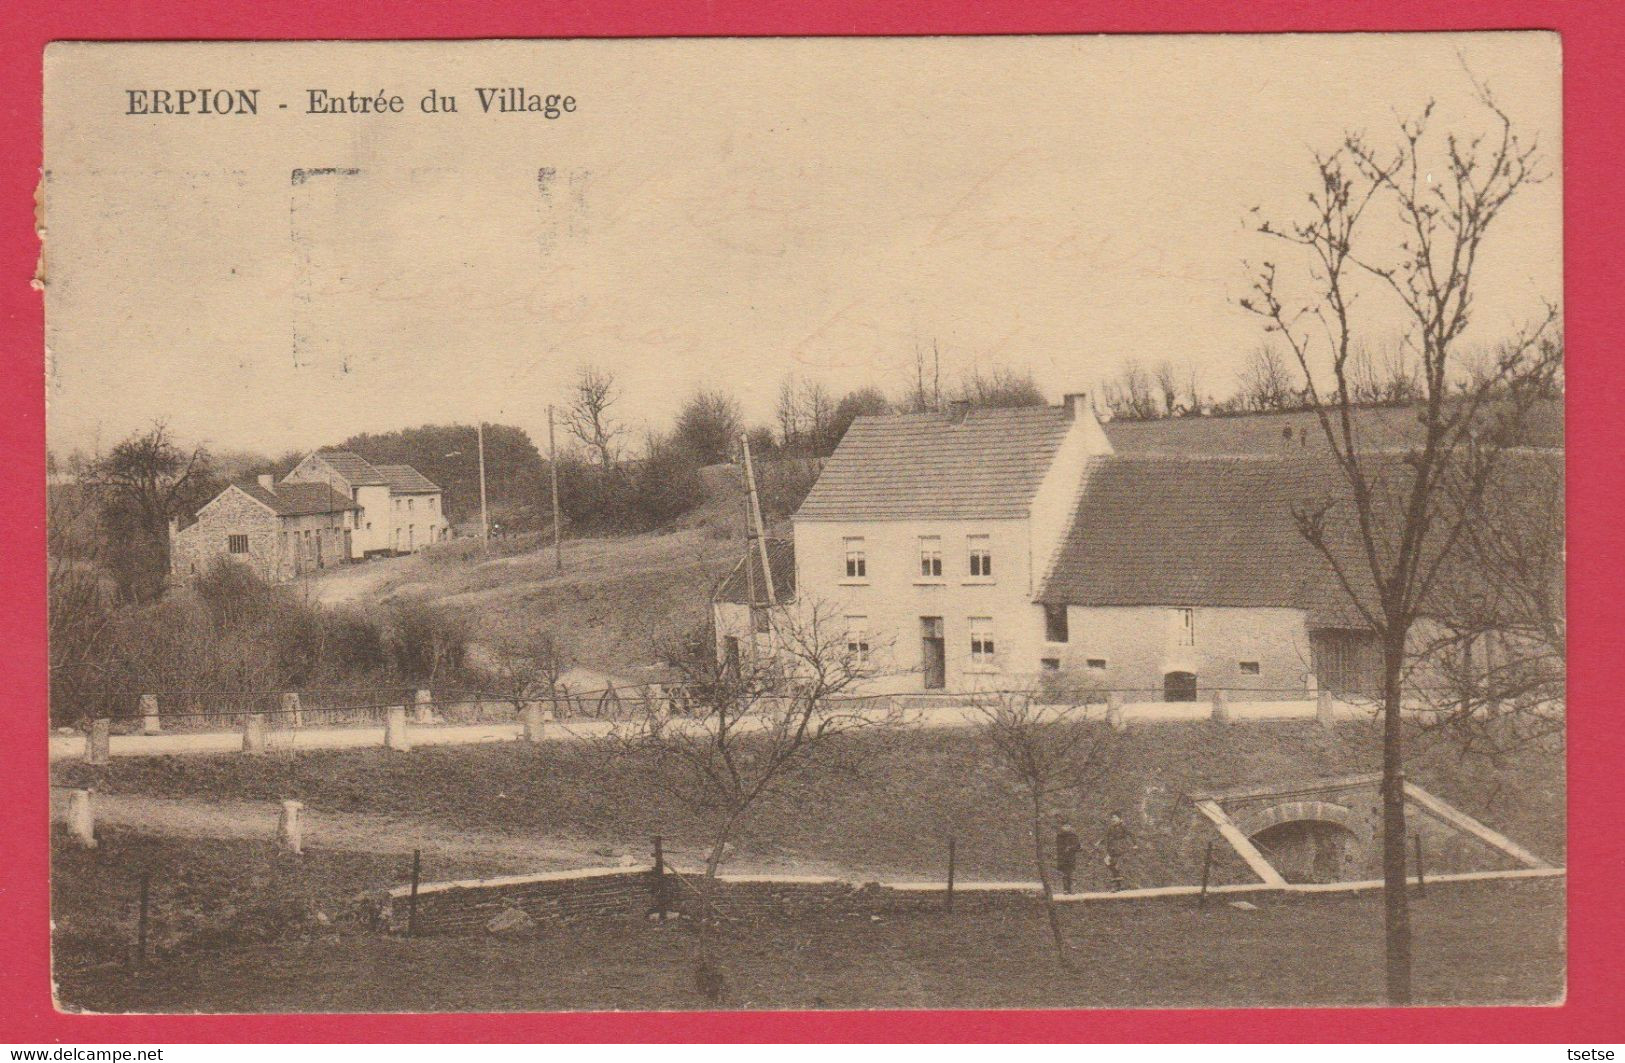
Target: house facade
(416,516)
(1002,549)
(400,510)
(280,531)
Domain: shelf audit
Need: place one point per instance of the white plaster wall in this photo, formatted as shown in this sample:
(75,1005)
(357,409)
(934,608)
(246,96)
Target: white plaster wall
(895,596)
(1056,500)
(373,522)
(1140,644)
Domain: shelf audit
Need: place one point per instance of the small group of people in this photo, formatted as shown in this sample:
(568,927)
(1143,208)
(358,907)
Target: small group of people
(1116,843)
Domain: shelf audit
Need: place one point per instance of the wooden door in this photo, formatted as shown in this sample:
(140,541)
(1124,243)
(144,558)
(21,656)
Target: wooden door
(933,653)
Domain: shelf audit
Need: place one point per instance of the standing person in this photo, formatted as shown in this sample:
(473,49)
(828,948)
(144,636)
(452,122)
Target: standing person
(1117,842)
(1066,854)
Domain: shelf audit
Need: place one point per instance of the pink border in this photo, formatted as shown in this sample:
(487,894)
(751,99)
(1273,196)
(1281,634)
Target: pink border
(1593,84)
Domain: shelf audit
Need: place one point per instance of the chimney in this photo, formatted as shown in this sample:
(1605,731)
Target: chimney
(958,410)
(1078,405)
(266,480)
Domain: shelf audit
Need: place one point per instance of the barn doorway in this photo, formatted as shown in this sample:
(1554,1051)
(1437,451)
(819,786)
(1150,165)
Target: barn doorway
(1347,662)
(1179,686)
(933,653)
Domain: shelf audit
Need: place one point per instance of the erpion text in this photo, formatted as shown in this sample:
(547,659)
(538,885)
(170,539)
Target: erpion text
(192,101)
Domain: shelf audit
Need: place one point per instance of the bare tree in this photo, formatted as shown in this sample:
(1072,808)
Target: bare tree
(143,482)
(1387,540)
(755,725)
(1050,751)
(926,393)
(1167,381)
(531,670)
(1129,395)
(1492,661)
(788,415)
(1000,386)
(588,419)
(1265,383)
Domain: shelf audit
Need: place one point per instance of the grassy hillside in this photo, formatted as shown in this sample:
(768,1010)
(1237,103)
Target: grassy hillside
(890,815)
(614,596)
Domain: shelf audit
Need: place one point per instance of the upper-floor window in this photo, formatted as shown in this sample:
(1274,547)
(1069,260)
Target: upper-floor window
(760,622)
(981,556)
(931,556)
(237,544)
(1185,627)
(411,503)
(857,561)
(981,640)
(857,638)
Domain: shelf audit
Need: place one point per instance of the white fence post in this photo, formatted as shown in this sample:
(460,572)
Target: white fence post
(1114,711)
(81,818)
(292,708)
(395,731)
(254,733)
(1221,708)
(99,742)
(150,724)
(290,832)
(1323,710)
(533,721)
(423,707)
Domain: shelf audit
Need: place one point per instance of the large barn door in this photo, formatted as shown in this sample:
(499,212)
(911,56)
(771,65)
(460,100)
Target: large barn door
(1347,662)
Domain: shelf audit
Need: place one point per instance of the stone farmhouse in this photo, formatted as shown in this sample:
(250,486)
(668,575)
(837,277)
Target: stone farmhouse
(332,508)
(280,530)
(998,548)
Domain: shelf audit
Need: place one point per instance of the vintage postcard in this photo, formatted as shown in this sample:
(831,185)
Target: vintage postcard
(957,523)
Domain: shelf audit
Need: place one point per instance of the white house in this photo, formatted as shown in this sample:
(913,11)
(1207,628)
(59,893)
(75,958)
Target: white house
(996,548)
(401,510)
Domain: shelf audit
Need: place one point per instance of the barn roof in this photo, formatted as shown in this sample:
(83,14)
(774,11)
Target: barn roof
(747,573)
(405,480)
(985,463)
(1194,531)
(298,500)
(353,467)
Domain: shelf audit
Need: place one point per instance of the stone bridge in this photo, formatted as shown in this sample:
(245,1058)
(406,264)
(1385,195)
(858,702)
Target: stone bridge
(1330,830)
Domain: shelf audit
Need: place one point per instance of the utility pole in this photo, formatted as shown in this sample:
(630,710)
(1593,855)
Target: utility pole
(553,474)
(485,524)
(757,530)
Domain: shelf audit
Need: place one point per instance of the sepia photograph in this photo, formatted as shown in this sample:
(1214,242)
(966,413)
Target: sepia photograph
(785,524)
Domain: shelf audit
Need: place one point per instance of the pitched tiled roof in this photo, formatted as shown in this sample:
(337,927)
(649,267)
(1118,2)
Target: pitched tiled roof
(781,557)
(298,500)
(352,467)
(930,466)
(1193,531)
(1298,432)
(405,480)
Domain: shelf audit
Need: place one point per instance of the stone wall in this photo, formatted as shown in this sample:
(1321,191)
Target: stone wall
(194,548)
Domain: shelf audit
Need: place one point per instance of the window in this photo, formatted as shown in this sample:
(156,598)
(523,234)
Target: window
(1185,627)
(759,620)
(857,638)
(1055,629)
(1050,664)
(981,640)
(411,503)
(981,557)
(931,556)
(237,544)
(1097,664)
(1249,667)
(857,563)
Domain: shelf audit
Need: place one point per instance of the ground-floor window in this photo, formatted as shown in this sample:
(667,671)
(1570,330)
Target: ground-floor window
(857,638)
(981,640)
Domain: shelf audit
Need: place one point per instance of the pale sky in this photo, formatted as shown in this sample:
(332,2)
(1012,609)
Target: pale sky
(721,213)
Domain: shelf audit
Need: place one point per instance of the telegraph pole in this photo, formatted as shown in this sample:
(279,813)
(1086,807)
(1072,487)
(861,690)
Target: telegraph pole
(757,530)
(553,474)
(485,524)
